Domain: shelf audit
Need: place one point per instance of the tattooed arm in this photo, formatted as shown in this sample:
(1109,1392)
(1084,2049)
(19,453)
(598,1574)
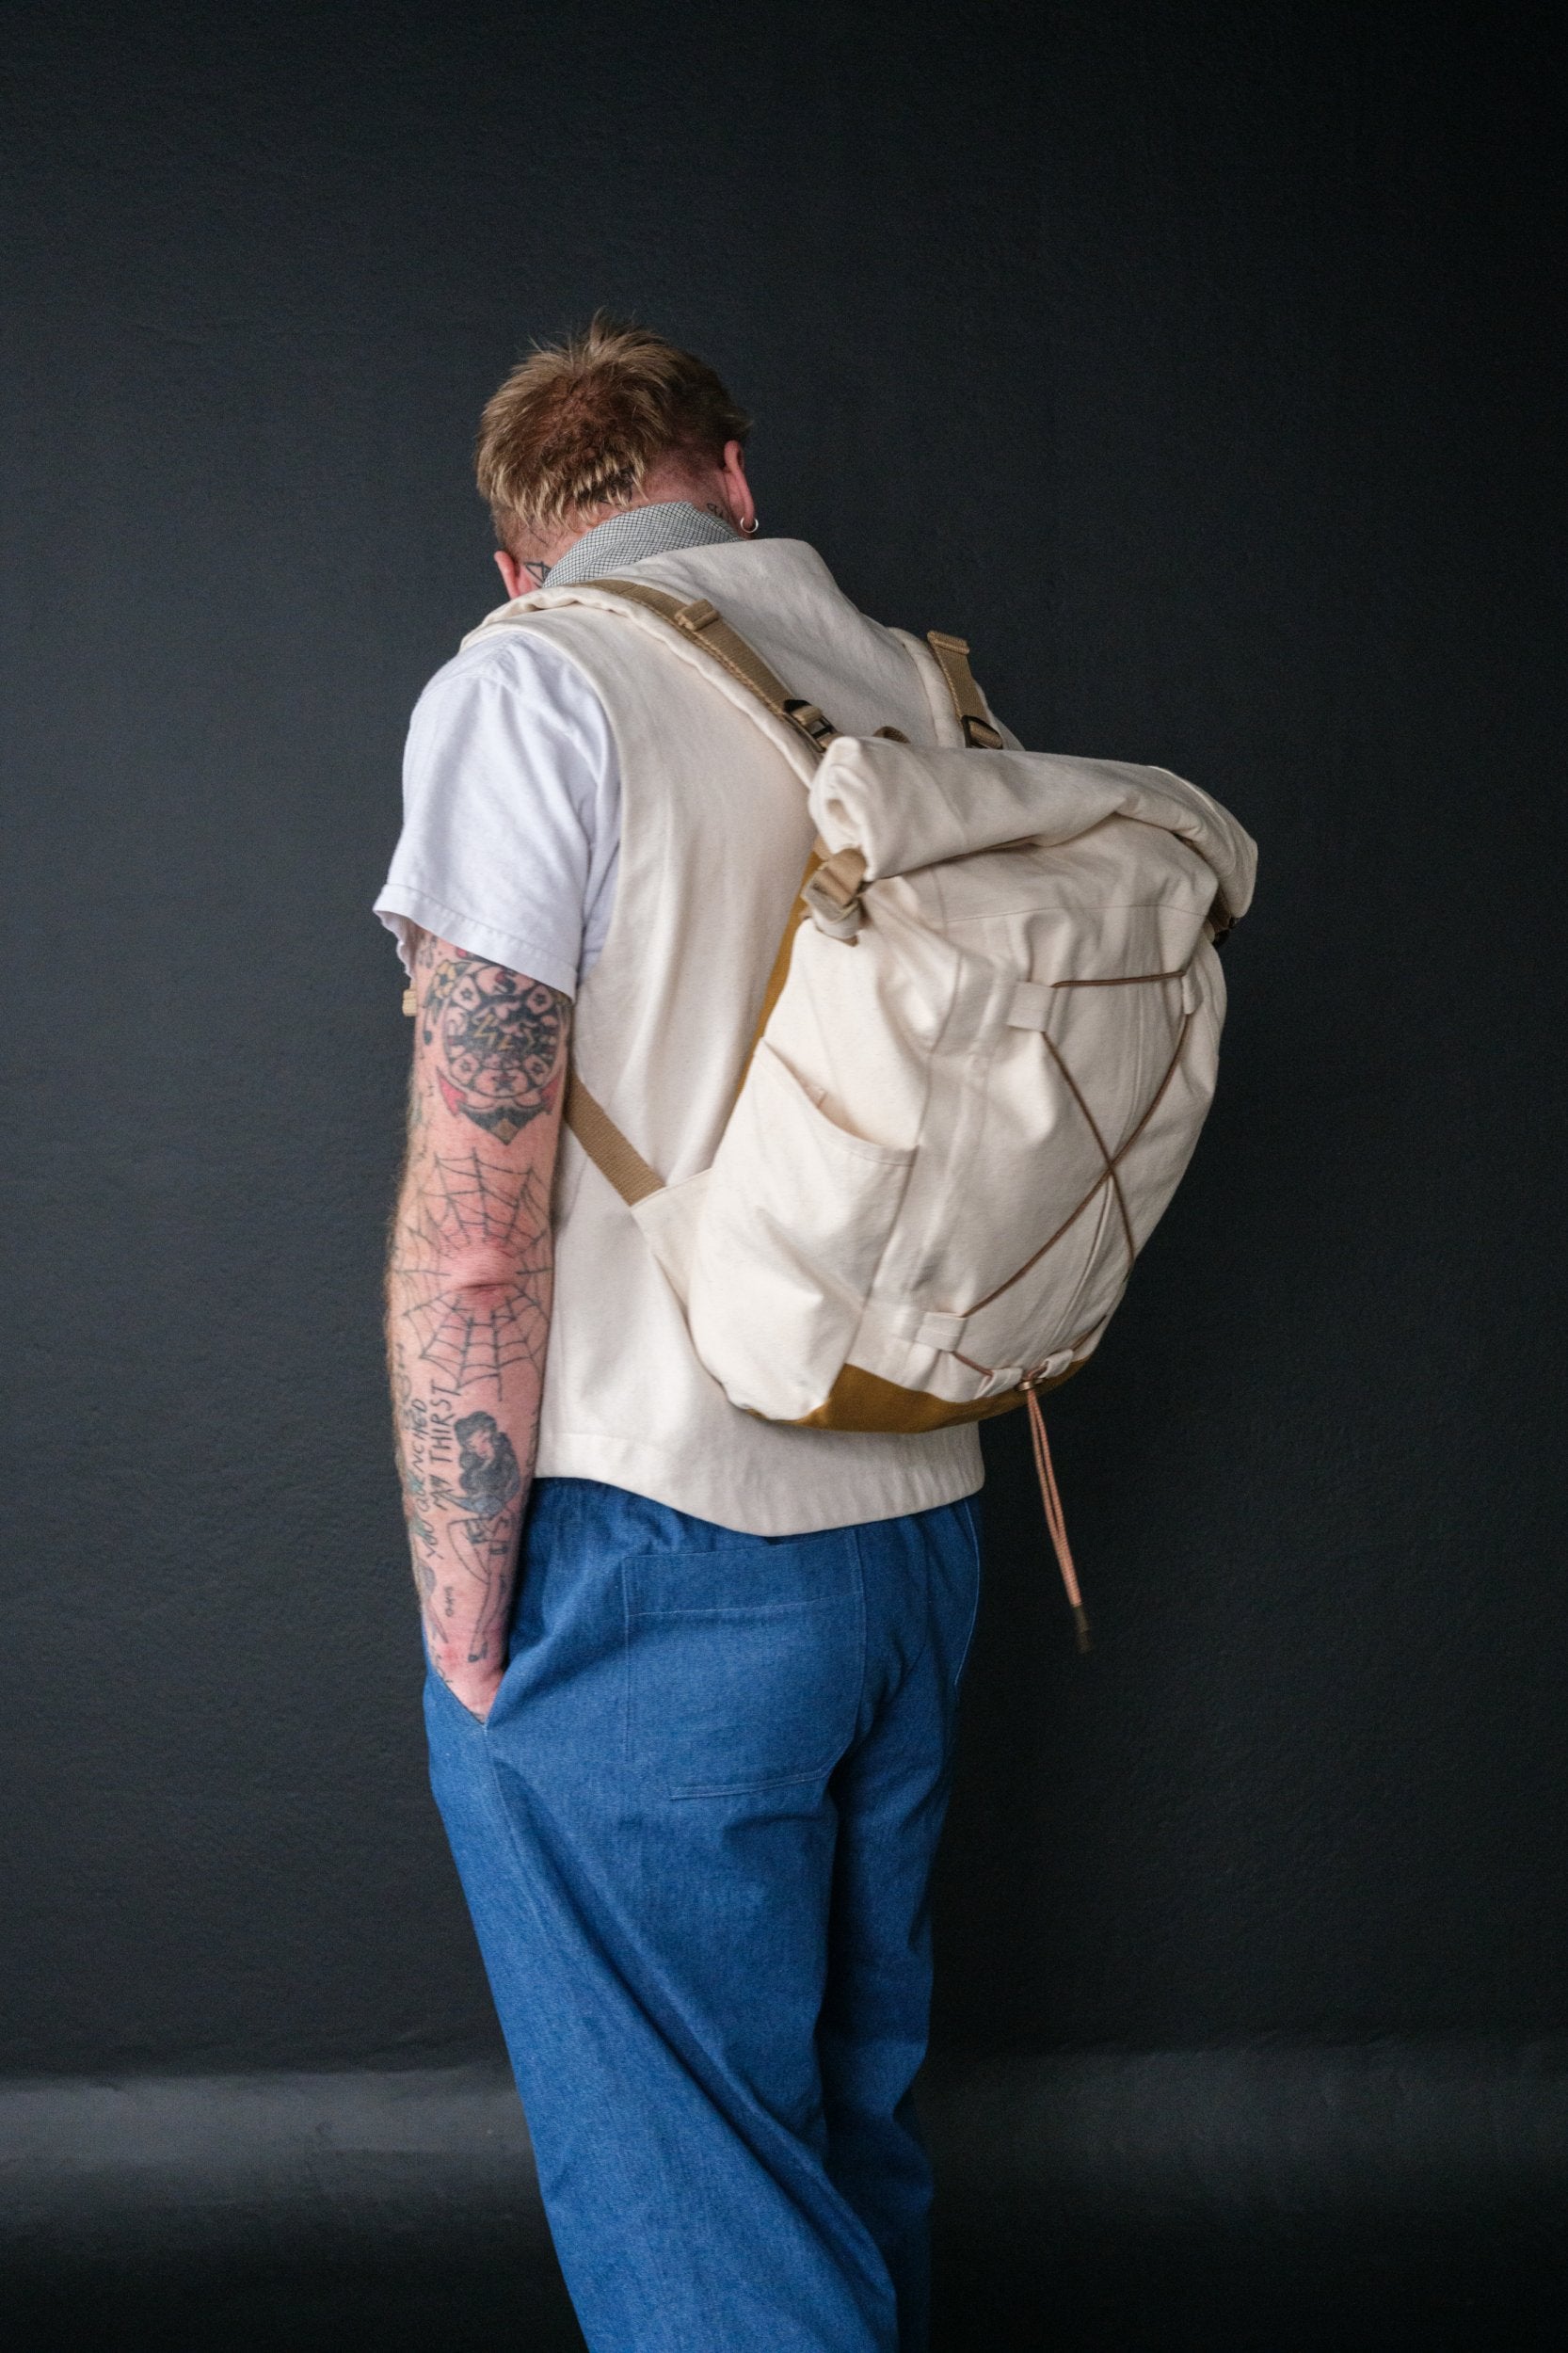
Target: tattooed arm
(468,1292)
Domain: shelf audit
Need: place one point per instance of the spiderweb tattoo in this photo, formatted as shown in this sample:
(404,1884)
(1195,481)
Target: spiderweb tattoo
(469,1340)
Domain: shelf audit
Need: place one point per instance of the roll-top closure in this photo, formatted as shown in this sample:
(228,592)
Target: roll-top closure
(903,809)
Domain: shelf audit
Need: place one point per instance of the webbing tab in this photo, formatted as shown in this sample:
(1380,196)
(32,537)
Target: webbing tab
(1031,1007)
(952,656)
(832,895)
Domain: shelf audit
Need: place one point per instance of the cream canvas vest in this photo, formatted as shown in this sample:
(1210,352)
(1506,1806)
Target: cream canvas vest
(715,831)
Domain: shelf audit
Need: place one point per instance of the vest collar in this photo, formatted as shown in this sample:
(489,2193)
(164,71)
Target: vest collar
(637,532)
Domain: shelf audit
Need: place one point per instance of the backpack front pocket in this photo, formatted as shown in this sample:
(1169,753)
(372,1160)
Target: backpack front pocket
(796,1217)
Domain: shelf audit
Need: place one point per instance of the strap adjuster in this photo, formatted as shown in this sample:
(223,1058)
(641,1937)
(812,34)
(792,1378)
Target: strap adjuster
(981,736)
(968,704)
(832,895)
(811,721)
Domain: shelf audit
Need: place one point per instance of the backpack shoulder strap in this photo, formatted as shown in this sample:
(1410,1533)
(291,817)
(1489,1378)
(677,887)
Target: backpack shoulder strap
(834,881)
(616,1156)
(953,659)
(612,1154)
(705,626)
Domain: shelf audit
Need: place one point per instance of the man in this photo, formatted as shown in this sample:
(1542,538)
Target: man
(693,1675)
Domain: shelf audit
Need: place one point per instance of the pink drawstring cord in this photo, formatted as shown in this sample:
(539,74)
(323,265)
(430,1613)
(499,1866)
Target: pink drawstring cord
(1051,1498)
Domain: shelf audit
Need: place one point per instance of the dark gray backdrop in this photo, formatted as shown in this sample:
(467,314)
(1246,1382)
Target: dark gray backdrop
(1193,361)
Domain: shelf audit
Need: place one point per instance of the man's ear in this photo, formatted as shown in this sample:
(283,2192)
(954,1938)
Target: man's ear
(736,490)
(522,574)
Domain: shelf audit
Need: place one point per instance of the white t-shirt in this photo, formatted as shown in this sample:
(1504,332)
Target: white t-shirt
(511,813)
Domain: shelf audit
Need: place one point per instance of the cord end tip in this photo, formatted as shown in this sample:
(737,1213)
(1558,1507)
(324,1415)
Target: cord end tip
(1081,1627)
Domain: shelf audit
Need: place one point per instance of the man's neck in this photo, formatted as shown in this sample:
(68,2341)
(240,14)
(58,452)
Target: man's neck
(636,532)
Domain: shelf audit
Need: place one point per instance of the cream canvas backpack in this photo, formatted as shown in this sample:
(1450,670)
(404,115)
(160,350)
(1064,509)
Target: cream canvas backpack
(984,1059)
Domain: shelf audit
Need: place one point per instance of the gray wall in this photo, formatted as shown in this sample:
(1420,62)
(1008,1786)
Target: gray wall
(1191,360)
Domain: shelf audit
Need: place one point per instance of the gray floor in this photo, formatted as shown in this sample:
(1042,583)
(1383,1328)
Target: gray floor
(1223,2202)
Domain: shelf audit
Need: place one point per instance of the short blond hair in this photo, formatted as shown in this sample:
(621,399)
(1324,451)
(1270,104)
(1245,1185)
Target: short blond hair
(578,423)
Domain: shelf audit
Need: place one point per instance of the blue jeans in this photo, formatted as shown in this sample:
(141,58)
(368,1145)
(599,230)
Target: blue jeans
(696,1836)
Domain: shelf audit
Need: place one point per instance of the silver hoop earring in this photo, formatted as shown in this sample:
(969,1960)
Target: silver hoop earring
(752,528)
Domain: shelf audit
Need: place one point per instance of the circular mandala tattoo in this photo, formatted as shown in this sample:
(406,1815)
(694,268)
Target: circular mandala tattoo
(500,1040)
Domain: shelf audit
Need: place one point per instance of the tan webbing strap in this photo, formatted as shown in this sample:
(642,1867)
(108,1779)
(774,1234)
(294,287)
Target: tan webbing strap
(953,655)
(705,626)
(616,1157)
(615,1160)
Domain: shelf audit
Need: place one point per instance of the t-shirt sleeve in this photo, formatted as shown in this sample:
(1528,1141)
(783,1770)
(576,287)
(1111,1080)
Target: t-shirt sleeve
(510,811)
